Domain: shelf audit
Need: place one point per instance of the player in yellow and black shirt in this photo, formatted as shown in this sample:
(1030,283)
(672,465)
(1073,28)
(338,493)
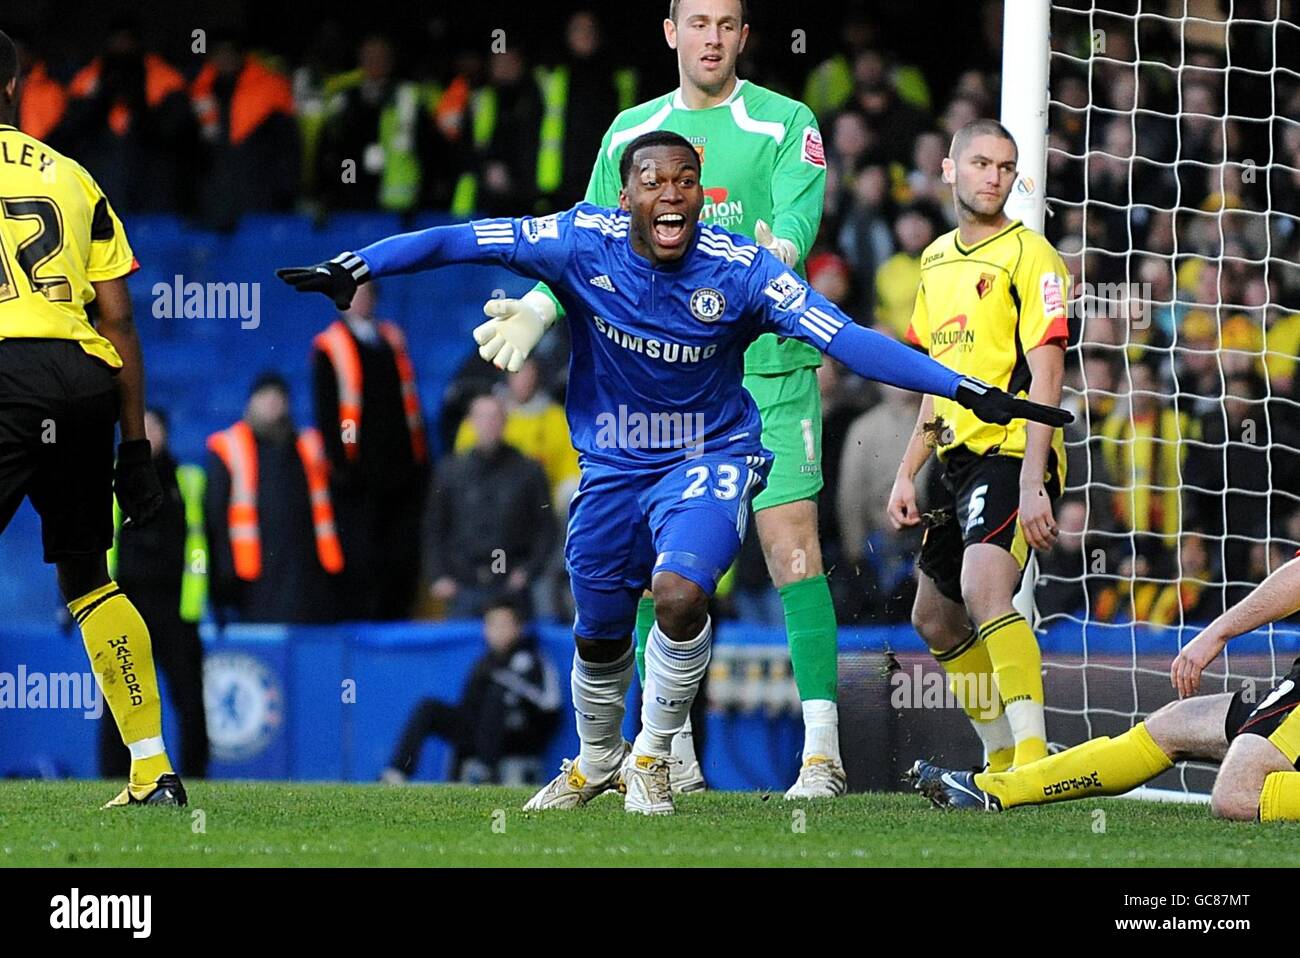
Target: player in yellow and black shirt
(64,384)
(992,304)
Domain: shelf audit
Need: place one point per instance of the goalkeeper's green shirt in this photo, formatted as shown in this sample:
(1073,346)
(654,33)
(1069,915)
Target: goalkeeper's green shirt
(761,159)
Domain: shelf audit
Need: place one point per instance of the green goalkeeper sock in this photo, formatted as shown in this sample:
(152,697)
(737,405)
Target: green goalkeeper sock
(810,629)
(645,618)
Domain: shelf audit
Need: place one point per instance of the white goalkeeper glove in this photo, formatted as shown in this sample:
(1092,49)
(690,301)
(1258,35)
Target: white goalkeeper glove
(782,249)
(515,329)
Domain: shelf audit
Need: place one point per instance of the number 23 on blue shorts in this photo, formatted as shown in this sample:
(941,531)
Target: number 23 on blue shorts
(687,518)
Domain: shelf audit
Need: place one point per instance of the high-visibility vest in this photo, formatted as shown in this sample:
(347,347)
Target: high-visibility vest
(484,112)
(237,449)
(554,87)
(161,80)
(260,92)
(336,342)
(191,480)
(41,103)
(399,186)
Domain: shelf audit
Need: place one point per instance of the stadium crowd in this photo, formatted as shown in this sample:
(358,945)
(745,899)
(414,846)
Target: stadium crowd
(1178,223)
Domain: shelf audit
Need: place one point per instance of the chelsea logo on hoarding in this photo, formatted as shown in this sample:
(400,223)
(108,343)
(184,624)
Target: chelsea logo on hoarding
(707,304)
(244,705)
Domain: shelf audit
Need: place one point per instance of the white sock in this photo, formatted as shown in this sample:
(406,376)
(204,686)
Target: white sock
(821,729)
(1026,720)
(684,745)
(599,701)
(673,671)
(995,734)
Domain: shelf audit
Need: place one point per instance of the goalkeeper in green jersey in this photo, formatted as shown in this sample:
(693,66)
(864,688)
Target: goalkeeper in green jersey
(764,175)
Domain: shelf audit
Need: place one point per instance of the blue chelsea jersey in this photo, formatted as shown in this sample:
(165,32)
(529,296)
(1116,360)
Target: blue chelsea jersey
(658,353)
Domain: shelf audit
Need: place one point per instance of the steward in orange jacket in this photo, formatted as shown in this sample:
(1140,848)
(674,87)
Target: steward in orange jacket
(129,121)
(368,412)
(273,542)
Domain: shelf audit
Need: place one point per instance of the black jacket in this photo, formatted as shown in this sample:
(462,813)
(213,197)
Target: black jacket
(481,503)
(521,684)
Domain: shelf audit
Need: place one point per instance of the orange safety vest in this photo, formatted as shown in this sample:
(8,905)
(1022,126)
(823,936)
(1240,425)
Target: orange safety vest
(161,80)
(337,344)
(41,106)
(237,448)
(259,92)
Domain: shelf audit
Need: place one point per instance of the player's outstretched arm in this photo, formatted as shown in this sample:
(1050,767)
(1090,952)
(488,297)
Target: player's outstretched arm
(793,309)
(1275,598)
(538,248)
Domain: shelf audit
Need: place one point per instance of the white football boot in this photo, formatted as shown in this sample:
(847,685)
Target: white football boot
(647,789)
(820,777)
(685,778)
(572,789)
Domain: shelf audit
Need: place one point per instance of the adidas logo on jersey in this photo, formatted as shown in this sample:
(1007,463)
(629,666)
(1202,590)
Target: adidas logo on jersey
(603,282)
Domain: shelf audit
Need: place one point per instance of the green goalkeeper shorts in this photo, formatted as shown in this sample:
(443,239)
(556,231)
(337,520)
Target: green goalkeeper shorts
(791,408)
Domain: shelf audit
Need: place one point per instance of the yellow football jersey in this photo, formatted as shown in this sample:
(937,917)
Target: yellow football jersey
(58,235)
(979,310)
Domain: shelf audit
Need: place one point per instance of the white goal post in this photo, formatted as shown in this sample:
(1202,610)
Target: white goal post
(1160,151)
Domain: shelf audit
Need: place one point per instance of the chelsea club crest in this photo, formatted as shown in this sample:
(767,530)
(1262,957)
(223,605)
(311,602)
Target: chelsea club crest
(707,305)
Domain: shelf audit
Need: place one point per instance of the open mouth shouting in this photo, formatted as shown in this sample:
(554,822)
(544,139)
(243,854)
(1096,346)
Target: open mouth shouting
(670,230)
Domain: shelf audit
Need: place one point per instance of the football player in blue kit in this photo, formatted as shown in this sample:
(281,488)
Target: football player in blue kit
(660,312)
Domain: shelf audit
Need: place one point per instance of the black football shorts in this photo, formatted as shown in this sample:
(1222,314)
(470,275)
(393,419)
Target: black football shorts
(58,413)
(971,499)
(1275,716)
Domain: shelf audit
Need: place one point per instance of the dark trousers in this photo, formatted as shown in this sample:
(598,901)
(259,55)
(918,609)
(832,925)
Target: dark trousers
(178,655)
(482,736)
(380,534)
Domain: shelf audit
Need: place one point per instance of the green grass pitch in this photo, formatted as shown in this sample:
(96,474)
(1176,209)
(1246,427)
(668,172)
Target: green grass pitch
(278,823)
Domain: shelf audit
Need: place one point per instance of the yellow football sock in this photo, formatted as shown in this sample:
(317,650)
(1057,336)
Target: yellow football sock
(121,656)
(970,676)
(1102,766)
(1018,664)
(1280,799)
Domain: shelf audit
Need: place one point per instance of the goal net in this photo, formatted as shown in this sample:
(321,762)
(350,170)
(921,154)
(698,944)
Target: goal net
(1173,193)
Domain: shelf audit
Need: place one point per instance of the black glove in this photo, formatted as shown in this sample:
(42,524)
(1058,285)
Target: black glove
(338,279)
(1000,407)
(135,481)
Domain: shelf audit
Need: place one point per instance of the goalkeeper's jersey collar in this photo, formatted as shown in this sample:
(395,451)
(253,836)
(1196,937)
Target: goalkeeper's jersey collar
(680,104)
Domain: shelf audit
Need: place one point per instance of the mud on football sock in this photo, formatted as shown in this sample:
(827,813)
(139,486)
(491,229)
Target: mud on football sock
(121,656)
(1102,766)
(970,677)
(599,701)
(673,674)
(1018,665)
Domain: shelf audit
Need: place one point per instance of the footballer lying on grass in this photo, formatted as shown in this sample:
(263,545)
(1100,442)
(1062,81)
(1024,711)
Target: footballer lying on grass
(660,312)
(1257,745)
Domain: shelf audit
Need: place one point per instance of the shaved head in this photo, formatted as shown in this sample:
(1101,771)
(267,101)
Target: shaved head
(983,127)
